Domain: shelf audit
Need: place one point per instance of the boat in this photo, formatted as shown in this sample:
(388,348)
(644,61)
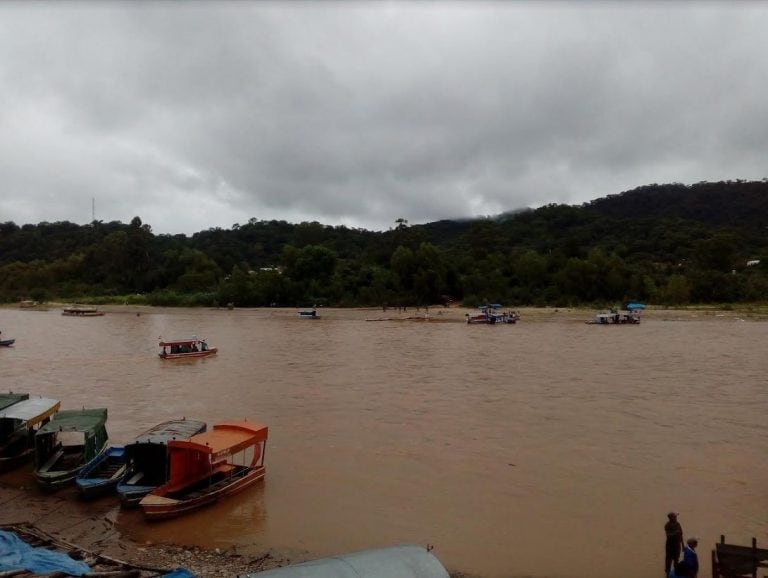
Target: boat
(308,314)
(79,311)
(186,348)
(102,473)
(148,460)
(207,467)
(8,399)
(616,317)
(18,424)
(68,442)
(489,315)
(7,342)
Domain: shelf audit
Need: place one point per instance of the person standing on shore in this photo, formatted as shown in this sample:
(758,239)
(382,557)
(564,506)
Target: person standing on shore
(690,557)
(674,543)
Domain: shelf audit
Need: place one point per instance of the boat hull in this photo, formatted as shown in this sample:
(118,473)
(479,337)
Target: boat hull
(158,507)
(101,475)
(190,355)
(11,462)
(7,342)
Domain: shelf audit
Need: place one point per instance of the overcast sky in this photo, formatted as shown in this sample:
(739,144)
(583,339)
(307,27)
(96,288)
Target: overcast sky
(194,115)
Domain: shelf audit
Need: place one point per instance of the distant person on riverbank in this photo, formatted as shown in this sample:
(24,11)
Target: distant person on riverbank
(674,543)
(690,557)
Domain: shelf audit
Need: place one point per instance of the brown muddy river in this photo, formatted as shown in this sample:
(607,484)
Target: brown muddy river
(549,448)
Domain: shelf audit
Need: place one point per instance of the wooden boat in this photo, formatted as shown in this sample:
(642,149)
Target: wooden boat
(186,348)
(207,467)
(78,311)
(18,424)
(68,442)
(102,473)
(7,342)
(148,460)
(616,317)
(490,316)
(308,314)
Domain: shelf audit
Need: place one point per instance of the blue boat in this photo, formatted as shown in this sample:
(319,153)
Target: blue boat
(147,458)
(101,475)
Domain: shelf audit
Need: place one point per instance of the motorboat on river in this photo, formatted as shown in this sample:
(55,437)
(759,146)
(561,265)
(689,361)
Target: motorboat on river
(80,311)
(490,315)
(308,314)
(186,348)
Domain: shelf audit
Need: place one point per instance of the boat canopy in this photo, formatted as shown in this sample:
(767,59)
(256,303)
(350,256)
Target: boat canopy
(188,341)
(633,306)
(409,561)
(170,430)
(8,399)
(224,439)
(31,411)
(78,420)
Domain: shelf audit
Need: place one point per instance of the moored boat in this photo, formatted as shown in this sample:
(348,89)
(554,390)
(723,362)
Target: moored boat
(616,317)
(186,348)
(7,342)
(68,442)
(147,458)
(489,315)
(8,399)
(18,424)
(308,314)
(207,467)
(102,473)
(80,311)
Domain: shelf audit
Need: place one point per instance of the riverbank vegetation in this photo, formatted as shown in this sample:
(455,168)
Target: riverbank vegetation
(666,244)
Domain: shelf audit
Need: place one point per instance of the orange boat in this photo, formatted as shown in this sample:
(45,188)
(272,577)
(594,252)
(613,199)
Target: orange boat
(207,467)
(185,348)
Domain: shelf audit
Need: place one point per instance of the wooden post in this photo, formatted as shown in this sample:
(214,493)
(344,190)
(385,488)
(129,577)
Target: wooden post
(754,557)
(715,569)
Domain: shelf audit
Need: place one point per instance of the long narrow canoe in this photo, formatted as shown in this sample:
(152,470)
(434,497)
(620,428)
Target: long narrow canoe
(102,473)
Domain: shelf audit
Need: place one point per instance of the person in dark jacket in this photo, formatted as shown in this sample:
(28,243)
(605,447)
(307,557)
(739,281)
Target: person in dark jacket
(674,543)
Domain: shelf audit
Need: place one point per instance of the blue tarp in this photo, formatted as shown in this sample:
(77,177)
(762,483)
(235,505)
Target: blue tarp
(16,554)
(632,306)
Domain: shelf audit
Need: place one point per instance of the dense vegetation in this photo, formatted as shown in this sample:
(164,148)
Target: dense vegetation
(668,244)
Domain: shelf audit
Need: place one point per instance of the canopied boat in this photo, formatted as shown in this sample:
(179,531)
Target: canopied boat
(148,458)
(68,442)
(186,348)
(8,399)
(490,315)
(209,466)
(18,424)
(80,311)
(616,317)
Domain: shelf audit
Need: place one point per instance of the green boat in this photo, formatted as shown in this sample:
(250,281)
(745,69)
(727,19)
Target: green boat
(66,443)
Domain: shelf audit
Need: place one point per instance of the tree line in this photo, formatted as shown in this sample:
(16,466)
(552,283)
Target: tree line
(666,244)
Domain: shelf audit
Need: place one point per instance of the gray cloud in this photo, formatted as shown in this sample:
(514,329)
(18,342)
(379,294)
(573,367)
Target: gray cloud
(195,115)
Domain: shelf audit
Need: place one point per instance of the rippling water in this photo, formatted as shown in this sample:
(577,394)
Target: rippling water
(547,448)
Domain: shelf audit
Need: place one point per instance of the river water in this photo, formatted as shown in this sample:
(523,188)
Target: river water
(550,448)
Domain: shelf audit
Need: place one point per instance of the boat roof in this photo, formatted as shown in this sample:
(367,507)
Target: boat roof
(225,438)
(31,411)
(173,429)
(188,341)
(8,399)
(75,420)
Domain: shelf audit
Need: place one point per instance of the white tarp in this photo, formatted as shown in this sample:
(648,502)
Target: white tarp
(393,562)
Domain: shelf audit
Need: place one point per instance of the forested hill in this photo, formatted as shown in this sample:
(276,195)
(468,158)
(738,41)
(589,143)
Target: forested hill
(669,244)
(739,204)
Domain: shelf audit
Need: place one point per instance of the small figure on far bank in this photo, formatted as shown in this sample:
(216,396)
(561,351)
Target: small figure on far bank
(690,557)
(674,543)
